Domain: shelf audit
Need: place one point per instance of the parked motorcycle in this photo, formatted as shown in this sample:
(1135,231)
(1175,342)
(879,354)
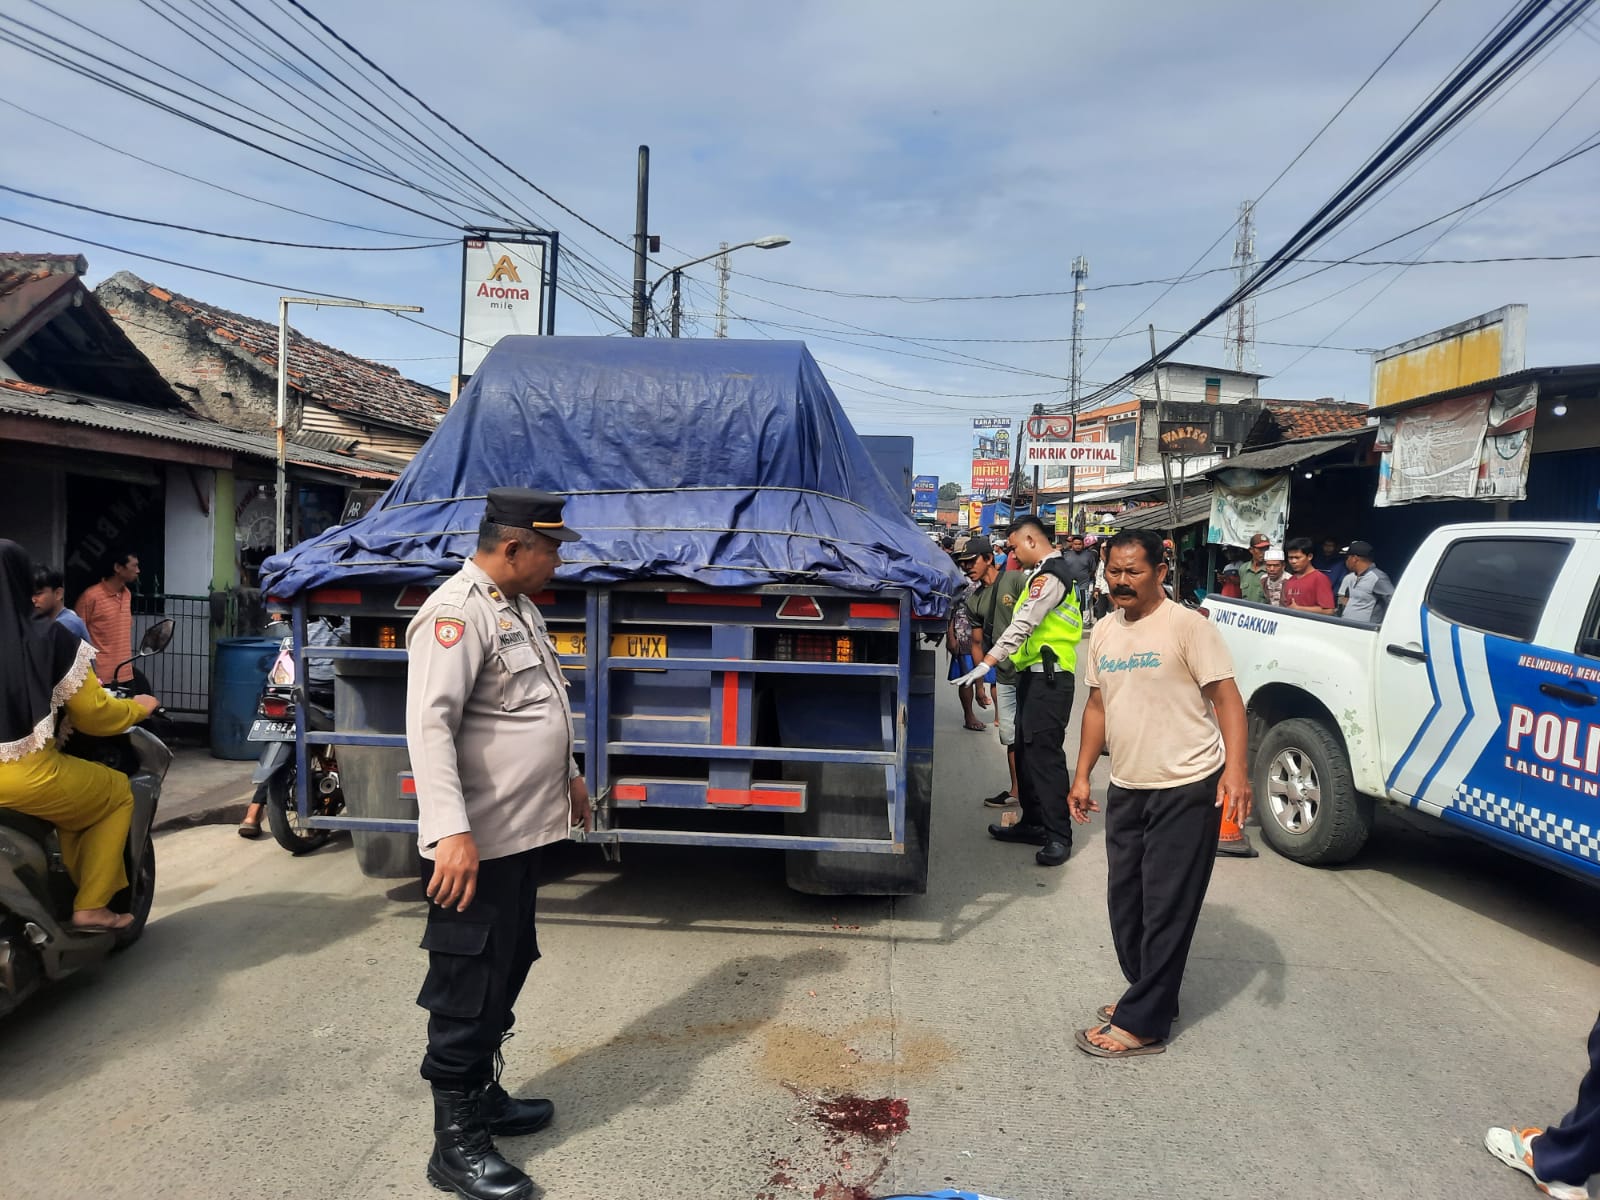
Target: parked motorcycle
(274,775)
(37,942)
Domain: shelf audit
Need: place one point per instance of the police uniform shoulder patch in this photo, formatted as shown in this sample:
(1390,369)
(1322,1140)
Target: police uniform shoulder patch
(1036,588)
(447,631)
(1008,601)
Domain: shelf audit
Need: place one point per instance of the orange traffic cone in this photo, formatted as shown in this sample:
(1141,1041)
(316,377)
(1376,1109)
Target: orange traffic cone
(1234,841)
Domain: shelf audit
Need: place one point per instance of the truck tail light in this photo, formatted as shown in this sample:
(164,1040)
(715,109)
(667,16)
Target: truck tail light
(387,637)
(815,647)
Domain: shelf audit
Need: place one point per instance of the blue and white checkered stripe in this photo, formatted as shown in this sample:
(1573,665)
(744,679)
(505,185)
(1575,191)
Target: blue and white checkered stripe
(1560,833)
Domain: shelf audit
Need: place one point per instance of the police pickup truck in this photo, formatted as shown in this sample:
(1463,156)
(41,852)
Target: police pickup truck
(1473,701)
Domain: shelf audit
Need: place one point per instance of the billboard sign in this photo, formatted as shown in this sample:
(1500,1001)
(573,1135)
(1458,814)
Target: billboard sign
(1184,437)
(503,286)
(991,454)
(1472,351)
(925,496)
(1071,454)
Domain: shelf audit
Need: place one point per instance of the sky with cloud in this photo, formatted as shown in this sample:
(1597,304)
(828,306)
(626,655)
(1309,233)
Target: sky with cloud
(911,151)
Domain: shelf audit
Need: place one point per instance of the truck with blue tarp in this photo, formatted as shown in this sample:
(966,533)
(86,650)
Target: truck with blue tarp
(745,623)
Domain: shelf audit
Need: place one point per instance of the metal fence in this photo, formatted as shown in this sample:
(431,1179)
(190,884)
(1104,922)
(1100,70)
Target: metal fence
(181,674)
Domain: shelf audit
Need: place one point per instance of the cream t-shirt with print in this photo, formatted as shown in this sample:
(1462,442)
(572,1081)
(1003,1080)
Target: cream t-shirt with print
(1159,726)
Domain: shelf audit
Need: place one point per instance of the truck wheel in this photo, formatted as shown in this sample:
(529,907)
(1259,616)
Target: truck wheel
(847,801)
(1305,794)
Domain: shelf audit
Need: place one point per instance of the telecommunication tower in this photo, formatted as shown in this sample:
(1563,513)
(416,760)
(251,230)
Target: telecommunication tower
(723,271)
(1240,338)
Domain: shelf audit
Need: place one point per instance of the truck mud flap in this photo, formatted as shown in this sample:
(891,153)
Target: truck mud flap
(849,801)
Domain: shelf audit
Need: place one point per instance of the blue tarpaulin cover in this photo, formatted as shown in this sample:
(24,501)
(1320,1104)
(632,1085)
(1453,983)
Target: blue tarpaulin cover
(723,462)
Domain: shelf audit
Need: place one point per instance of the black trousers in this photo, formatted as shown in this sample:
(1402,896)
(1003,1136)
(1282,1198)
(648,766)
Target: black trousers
(1160,848)
(1043,710)
(1570,1152)
(478,961)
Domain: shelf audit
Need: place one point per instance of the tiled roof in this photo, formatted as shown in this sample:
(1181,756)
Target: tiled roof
(18,269)
(340,381)
(1313,418)
(53,404)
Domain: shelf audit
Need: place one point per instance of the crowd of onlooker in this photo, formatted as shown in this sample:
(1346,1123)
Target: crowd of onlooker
(1343,582)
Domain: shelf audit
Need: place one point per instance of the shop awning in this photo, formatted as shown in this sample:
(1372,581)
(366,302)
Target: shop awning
(1196,507)
(134,430)
(1288,454)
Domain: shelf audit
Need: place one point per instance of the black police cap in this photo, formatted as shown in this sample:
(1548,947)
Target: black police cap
(525,508)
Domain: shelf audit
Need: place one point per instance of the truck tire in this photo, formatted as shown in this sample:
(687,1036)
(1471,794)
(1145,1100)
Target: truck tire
(847,801)
(1305,794)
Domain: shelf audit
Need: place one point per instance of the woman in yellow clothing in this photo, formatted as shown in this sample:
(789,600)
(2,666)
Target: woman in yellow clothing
(45,667)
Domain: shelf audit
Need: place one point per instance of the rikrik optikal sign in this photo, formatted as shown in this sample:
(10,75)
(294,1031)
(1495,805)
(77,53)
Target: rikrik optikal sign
(1072,454)
(504,294)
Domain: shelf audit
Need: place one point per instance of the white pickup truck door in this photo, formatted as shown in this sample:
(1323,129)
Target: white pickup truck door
(1490,717)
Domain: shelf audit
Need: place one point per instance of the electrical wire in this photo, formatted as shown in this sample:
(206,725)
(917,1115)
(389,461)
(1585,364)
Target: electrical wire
(235,237)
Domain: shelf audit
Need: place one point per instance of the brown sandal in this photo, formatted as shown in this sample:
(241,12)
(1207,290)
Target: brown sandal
(1130,1047)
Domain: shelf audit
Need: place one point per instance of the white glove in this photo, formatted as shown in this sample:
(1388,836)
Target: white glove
(972,676)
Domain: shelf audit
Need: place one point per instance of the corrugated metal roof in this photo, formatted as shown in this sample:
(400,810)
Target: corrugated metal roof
(1195,507)
(29,400)
(1287,454)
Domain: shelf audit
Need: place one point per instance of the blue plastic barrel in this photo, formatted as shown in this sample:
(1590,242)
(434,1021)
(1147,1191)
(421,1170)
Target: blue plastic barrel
(238,669)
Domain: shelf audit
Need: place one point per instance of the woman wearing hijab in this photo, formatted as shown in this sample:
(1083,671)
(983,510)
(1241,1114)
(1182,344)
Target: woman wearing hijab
(44,668)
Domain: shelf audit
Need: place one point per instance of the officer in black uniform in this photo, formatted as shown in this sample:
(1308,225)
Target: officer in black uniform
(489,729)
(1041,642)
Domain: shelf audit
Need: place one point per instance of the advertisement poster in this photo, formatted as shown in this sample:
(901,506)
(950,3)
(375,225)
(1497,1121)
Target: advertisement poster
(991,454)
(925,496)
(503,294)
(963,515)
(1245,503)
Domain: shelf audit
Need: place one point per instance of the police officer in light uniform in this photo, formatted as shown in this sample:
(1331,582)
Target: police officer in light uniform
(490,735)
(1041,642)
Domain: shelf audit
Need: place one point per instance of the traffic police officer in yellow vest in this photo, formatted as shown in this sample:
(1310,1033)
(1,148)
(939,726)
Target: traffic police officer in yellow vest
(1042,643)
(489,729)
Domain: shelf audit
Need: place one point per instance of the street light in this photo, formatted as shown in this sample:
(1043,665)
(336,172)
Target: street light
(283,384)
(770,242)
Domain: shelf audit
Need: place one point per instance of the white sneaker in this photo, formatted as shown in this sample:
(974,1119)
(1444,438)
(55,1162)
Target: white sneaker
(1514,1147)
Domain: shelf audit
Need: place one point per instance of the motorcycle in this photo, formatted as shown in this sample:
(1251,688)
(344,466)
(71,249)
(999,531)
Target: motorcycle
(274,775)
(38,944)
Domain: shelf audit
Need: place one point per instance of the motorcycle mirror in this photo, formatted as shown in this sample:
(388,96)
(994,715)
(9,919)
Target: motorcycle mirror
(157,637)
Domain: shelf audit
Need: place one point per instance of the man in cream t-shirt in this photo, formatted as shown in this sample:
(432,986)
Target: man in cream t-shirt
(1156,673)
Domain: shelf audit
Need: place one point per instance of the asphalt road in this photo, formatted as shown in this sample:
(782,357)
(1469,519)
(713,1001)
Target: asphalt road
(1344,1033)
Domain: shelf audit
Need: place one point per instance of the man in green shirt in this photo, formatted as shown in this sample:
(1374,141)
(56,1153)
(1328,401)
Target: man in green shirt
(1253,572)
(991,606)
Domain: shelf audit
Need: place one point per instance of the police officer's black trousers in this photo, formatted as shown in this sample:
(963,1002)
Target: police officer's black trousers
(478,961)
(1043,709)
(1570,1152)
(1160,847)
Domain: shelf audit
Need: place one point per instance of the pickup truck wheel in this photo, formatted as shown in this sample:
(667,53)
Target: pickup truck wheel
(1305,794)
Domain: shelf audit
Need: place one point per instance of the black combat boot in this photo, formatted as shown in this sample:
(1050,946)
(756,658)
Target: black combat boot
(465,1160)
(506,1115)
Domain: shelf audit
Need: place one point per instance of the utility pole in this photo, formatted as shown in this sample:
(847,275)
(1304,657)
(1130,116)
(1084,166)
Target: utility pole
(1240,338)
(677,301)
(641,235)
(723,271)
(1174,502)
(1080,273)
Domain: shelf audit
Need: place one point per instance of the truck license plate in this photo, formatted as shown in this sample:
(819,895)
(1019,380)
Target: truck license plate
(272,731)
(623,645)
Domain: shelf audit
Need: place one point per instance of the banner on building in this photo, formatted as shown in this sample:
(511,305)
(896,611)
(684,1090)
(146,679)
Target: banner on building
(963,515)
(924,495)
(1247,503)
(991,454)
(503,292)
(1472,447)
